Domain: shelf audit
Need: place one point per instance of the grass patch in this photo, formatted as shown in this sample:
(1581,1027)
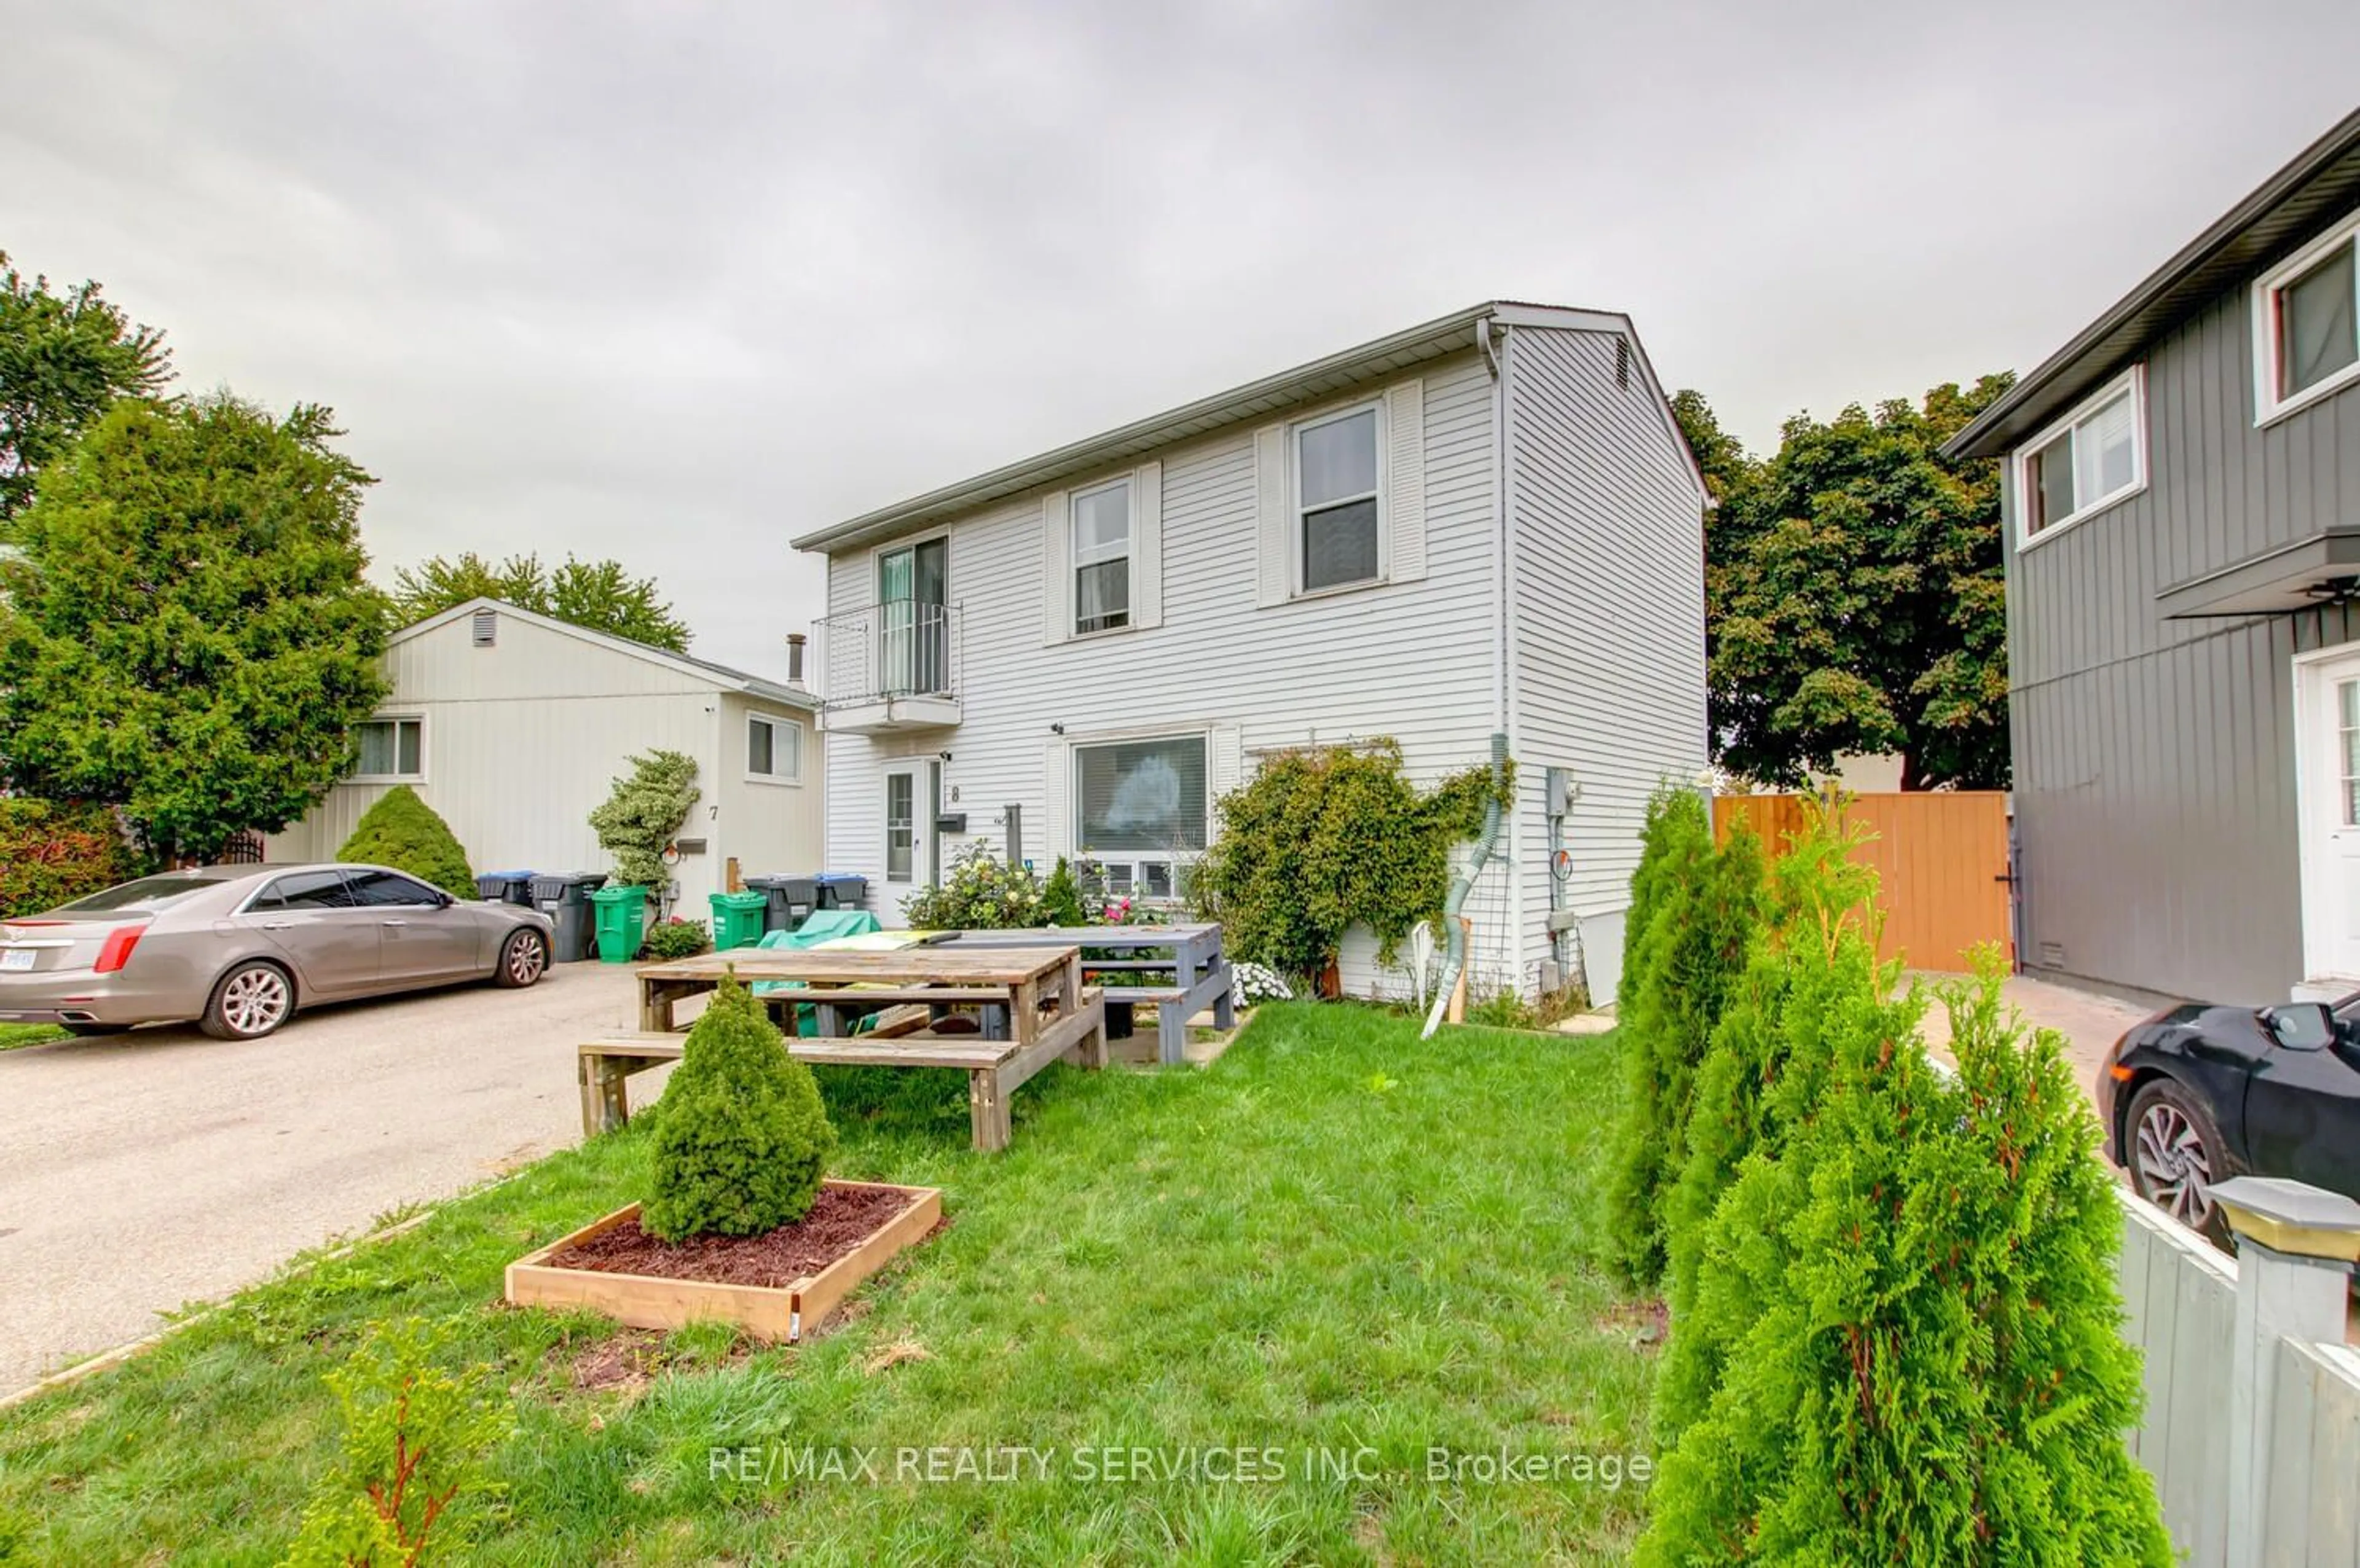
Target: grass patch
(13,1035)
(1335,1239)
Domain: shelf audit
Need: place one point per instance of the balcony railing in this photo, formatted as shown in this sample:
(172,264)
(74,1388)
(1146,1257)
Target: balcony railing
(892,649)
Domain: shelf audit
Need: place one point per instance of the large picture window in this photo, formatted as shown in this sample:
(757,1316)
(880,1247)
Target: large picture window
(391,748)
(1336,500)
(2091,459)
(1102,558)
(2307,324)
(1140,797)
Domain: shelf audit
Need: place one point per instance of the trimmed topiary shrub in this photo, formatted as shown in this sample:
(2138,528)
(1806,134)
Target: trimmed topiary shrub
(52,854)
(642,814)
(404,832)
(1702,903)
(742,1139)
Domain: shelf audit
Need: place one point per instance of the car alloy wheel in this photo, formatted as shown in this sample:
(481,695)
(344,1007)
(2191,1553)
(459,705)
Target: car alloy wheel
(254,1001)
(527,956)
(2175,1173)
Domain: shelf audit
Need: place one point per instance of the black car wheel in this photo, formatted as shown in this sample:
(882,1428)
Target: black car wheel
(2176,1156)
(524,958)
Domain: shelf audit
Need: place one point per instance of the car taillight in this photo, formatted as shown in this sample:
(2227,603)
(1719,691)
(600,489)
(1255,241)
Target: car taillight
(115,952)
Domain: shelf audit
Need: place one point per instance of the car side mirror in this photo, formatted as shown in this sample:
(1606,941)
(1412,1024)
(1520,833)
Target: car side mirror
(2301,1026)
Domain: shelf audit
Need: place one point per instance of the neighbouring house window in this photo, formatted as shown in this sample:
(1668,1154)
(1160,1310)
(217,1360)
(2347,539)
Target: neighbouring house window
(2307,324)
(901,825)
(1102,558)
(1141,802)
(1336,496)
(774,749)
(391,748)
(2093,459)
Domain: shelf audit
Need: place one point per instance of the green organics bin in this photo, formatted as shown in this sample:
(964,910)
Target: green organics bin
(622,921)
(737,918)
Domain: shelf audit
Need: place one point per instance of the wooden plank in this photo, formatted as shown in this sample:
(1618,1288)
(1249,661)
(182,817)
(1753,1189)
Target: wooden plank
(1082,936)
(916,965)
(820,1294)
(963,1052)
(2286,1478)
(2332,1523)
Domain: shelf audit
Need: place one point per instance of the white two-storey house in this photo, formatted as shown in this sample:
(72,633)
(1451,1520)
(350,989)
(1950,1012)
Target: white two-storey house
(1487,523)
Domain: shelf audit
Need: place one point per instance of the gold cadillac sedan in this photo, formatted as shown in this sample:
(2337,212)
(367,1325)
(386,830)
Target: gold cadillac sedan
(241,948)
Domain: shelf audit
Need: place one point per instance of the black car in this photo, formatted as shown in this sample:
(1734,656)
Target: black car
(2199,1093)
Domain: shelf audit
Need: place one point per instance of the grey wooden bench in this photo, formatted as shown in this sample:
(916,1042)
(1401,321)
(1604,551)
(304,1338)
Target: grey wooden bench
(1190,953)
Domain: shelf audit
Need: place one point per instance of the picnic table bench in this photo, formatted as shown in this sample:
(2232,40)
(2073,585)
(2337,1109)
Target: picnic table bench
(1189,952)
(999,1017)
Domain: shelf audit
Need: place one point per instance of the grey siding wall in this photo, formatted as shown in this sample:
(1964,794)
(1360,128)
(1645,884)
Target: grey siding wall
(2155,789)
(1608,626)
(1412,660)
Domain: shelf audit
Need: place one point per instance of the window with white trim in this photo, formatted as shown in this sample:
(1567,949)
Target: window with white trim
(1339,493)
(774,749)
(2307,324)
(391,749)
(2093,457)
(1102,558)
(1142,807)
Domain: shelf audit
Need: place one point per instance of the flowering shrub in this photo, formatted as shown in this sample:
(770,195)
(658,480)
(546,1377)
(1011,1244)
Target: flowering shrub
(982,893)
(1258,982)
(52,854)
(676,937)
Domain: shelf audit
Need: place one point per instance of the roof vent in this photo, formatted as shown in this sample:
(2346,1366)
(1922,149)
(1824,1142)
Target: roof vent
(1623,363)
(487,628)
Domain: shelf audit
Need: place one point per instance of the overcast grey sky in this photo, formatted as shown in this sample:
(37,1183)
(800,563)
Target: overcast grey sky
(672,282)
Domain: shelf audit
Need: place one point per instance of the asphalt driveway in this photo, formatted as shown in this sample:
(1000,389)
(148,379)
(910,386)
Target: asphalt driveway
(158,1168)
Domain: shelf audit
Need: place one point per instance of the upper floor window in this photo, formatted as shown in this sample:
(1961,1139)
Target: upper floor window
(1102,558)
(391,748)
(774,749)
(2307,324)
(1336,500)
(2091,458)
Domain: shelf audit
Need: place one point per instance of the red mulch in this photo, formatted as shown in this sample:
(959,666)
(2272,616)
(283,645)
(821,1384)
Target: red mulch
(840,1220)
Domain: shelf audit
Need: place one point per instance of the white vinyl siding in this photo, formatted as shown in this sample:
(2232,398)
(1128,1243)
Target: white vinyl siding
(1416,666)
(1608,628)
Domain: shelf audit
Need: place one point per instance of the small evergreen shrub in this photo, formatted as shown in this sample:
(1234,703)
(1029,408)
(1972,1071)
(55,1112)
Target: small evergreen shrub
(1701,906)
(1325,839)
(643,814)
(404,832)
(742,1139)
(1061,897)
(676,938)
(408,1484)
(52,854)
(983,892)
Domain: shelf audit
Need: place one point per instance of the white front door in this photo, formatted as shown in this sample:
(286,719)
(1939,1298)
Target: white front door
(2328,752)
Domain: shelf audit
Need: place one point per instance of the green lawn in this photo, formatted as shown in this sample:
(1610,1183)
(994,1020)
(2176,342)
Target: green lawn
(1337,1238)
(13,1035)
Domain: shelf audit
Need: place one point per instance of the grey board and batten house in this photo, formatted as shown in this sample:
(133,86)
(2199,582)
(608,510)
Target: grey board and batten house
(2181,499)
(1485,522)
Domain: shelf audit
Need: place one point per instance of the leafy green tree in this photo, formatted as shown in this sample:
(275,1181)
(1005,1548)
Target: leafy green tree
(643,813)
(741,1138)
(406,834)
(597,594)
(190,637)
(64,360)
(1685,965)
(1854,594)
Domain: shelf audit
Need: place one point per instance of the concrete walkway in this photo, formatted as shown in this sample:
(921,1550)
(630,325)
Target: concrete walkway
(160,1168)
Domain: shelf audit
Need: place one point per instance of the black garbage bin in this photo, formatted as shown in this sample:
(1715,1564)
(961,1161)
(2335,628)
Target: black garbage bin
(842,890)
(505,886)
(792,898)
(565,898)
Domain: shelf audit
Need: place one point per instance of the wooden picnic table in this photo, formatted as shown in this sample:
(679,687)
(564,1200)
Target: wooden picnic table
(1001,1017)
(1190,951)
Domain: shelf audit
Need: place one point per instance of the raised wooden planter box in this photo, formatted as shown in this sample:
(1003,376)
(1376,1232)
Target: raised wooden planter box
(770,1312)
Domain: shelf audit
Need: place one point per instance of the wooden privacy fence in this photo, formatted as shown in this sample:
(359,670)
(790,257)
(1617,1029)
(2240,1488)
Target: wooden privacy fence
(1941,861)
